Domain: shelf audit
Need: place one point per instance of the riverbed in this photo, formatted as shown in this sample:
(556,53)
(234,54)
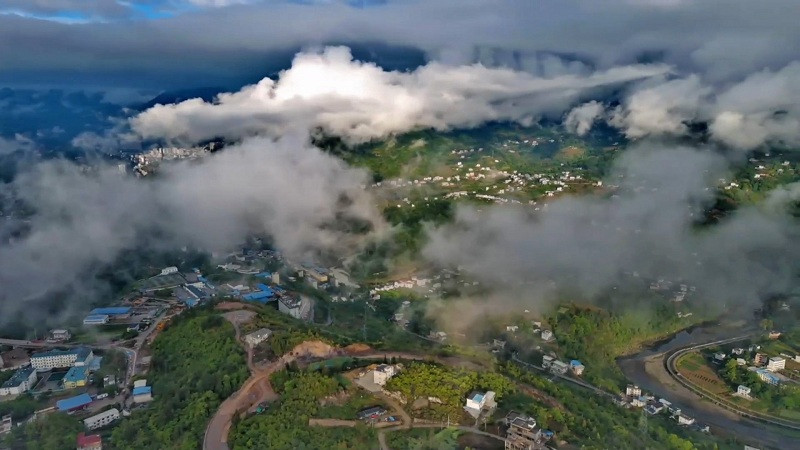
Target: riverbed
(646,369)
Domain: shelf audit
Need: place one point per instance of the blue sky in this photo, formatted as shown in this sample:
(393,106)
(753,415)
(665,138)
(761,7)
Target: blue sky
(87,11)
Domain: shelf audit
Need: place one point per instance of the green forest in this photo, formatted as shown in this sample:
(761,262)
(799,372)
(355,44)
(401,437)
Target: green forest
(451,386)
(55,431)
(595,423)
(285,424)
(196,364)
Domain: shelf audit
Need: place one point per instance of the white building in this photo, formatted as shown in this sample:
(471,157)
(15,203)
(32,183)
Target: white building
(23,380)
(633,391)
(258,336)
(56,359)
(743,391)
(6,424)
(685,420)
(776,363)
(60,335)
(101,420)
(559,367)
(477,401)
(383,373)
(169,270)
(290,305)
(547,335)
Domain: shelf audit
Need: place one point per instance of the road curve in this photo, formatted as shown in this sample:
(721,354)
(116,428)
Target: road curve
(651,374)
(722,403)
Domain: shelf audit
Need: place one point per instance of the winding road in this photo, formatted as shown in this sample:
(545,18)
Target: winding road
(655,372)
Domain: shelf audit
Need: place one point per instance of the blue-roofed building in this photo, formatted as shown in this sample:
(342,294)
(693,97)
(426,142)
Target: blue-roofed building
(112,311)
(23,380)
(96,319)
(74,403)
(76,377)
(768,377)
(142,394)
(576,367)
(192,302)
(95,364)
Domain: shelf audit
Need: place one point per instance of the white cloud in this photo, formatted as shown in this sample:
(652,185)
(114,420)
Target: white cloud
(581,118)
(360,101)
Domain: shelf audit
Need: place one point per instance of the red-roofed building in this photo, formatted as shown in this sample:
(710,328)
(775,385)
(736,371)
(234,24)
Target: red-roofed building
(90,442)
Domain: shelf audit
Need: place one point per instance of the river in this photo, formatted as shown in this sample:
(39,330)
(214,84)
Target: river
(646,369)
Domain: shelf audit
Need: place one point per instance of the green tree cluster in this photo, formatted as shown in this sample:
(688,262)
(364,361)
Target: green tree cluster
(451,386)
(285,425)
(782,397)
(595,423)
(54,431)
(196,364)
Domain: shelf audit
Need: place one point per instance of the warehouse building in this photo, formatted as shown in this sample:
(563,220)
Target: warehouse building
(74,403)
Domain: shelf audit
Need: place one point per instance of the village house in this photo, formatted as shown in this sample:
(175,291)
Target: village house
(743,391)
(776,363)
(633,391)
(576,367)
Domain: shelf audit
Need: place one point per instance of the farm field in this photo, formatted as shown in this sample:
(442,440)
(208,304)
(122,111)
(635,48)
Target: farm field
(697,370)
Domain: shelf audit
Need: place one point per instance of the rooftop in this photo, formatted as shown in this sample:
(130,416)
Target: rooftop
(291,301)
(80,352)
(112,311)
(19,377)
(71,403)
(96,318)
(88,441)
(75,374)
(575,363)
(263,332)
(476,396)
(143,390)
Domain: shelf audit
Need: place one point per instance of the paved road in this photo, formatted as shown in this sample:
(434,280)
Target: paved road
(650,373)
(580,383)
(722,403)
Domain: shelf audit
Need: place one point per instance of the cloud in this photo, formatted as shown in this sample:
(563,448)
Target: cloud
(591,245)
(580,119)
(360,101)
(762,109)
(286,189)
(721,39)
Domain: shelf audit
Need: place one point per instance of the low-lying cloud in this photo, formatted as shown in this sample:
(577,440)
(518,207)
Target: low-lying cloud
(286,189)
(761,109)
(360,101)
(591,245)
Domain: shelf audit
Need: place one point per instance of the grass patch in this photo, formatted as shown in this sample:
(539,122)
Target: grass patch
(348,410)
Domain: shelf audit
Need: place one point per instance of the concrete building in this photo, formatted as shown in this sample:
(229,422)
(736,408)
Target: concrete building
(89,442)
(547,335)
(776,363)
(169,270)
(383,373)
(290,305)
(101,420)
(76,377)
(743,391)
(559,367)
(576,367)
(96,319)
(142,394)
(478,401)
(56,359)
(633,391)
(685,420)
(258,336)
(760,359)
(60,335)
(23,380)
(768,377)
(523,433)
(6,424)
